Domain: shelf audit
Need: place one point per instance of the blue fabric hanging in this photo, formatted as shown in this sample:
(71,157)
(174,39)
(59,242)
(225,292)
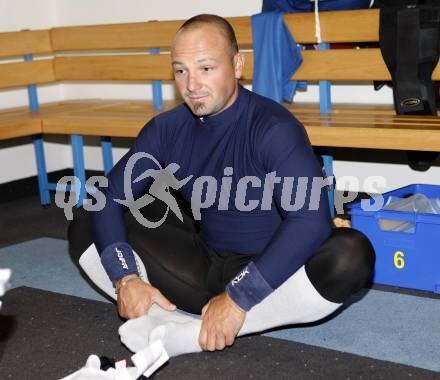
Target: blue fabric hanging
(276,58)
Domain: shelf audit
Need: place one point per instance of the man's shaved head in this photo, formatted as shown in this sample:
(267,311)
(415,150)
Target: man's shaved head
(206,64)
(219,22)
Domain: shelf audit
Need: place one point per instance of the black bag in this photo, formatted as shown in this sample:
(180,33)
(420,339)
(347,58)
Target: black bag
(409,39)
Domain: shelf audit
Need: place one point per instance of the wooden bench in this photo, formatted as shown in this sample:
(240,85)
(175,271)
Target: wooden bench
(91,57)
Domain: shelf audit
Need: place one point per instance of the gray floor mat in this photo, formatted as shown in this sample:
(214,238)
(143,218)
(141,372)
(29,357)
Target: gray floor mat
(45,335)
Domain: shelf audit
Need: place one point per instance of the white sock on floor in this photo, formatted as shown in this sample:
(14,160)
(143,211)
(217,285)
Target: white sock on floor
(5,275)
(146,362)
(295,301)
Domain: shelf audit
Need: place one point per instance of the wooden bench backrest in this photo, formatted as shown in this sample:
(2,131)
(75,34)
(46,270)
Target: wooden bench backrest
(336,27)
(89,49)
(15,45)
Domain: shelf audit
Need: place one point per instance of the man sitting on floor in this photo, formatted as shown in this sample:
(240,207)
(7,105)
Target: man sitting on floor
(267,258)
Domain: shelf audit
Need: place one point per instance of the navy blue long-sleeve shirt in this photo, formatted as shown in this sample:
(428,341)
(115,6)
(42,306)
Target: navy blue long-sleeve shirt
(254,139)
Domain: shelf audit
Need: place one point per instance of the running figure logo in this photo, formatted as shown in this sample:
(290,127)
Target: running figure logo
(159,189)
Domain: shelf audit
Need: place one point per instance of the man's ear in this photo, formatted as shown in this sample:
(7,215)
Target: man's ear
(238,65)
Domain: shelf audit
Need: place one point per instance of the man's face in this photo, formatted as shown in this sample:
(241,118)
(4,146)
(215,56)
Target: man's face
(204,69)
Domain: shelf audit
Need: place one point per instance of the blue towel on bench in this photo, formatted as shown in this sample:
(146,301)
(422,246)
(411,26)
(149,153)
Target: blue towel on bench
(276,58)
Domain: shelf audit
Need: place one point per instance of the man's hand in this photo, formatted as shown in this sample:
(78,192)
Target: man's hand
(136,297)
(222,319)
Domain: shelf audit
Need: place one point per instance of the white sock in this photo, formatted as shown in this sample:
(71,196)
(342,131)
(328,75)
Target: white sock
(295,301)
(177,336)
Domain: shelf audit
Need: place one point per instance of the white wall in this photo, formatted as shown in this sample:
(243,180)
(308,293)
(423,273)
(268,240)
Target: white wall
(26,14)
(114,11)
(17,156)
(20,14)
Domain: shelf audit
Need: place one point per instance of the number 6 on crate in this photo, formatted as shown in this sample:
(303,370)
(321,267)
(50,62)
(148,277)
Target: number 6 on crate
(399,261)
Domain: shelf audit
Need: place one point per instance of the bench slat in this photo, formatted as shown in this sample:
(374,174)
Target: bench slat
(24,73)
(337,65)
(95,126)
(346,65)
(115,36)
(144,35)
(141,35)
(54,108)
(350,64)
(375,138)
(379,125)
(123,67)
(363,26)
(370,119)
(117,67)
(355,136)
(342,65)
(343,108)
(108,108)
(19,127)
(14,44)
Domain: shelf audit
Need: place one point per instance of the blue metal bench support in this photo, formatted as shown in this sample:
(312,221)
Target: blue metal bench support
(38,145)
(43,183)
(78,167)
(107,155)
(157,87)
(325,107)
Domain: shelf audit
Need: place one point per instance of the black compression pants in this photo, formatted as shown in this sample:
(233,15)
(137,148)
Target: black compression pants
(189,273)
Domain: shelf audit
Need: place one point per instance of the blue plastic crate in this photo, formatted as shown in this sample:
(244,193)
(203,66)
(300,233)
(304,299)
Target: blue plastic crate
(405,259)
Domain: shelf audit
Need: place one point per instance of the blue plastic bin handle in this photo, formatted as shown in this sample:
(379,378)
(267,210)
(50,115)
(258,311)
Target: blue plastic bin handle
(396,215)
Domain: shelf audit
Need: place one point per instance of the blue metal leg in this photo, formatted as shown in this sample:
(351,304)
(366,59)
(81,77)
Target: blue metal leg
(157,94)
(78,167)
(325,107)
(32,90)
(328,167)
(33,98)
(38,144)
(107,155)
(325,94)
(41,170)
(157,87)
